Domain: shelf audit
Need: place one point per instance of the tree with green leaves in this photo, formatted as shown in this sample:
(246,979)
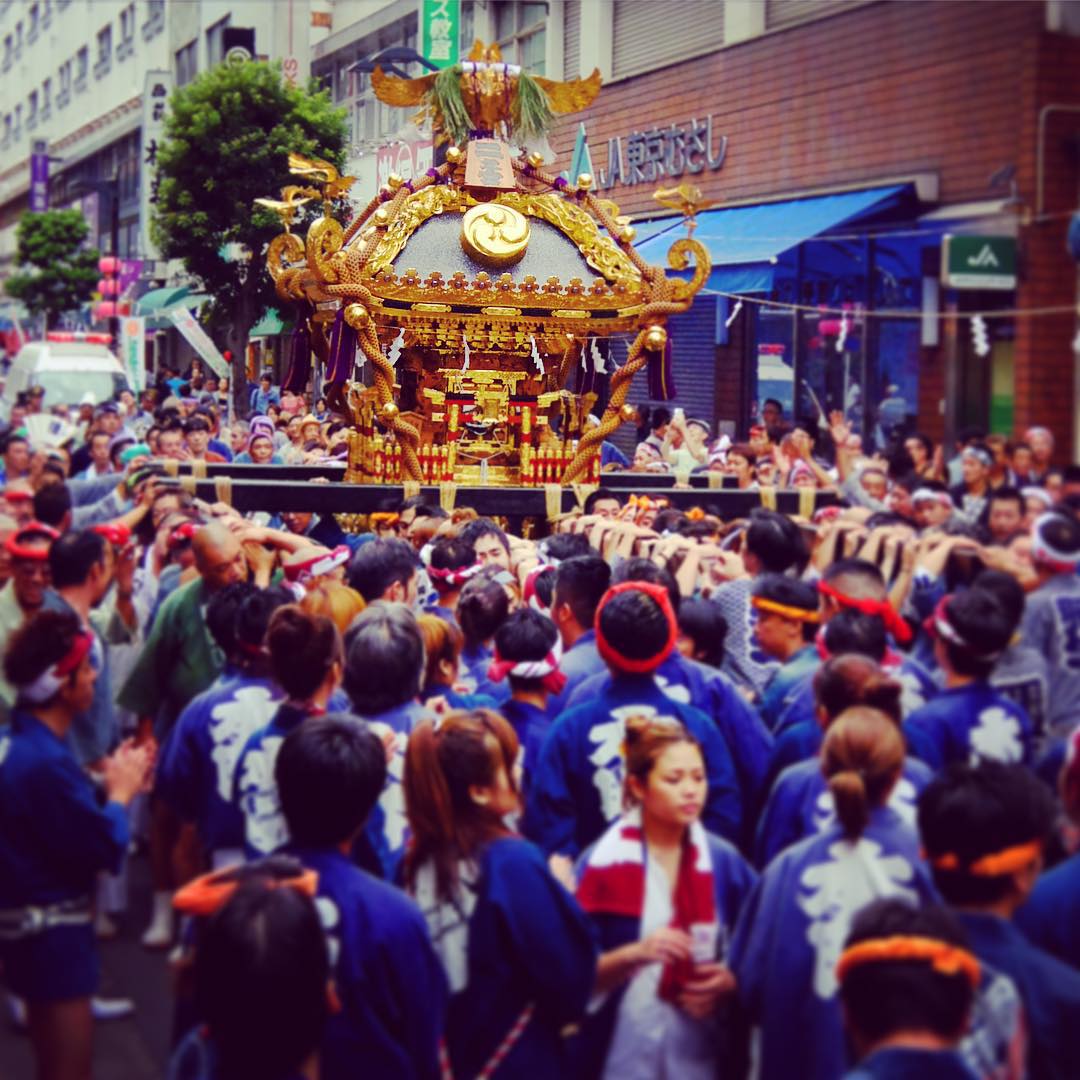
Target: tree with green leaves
(228,136)
(64,271)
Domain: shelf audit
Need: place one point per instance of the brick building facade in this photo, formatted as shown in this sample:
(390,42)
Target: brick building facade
(942,98)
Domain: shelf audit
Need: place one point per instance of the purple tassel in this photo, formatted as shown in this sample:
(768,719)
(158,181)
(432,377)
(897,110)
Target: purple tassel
(299,372)
(661,375)
(339,365)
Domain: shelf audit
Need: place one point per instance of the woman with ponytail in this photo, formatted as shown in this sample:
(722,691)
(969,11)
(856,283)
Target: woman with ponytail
(663,896)
(516,948)
(306,660)
(800,803)
(792,930)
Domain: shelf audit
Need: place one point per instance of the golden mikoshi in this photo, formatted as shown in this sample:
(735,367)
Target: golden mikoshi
(472,295)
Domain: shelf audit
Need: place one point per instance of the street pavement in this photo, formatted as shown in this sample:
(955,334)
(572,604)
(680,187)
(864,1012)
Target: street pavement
(133,1049)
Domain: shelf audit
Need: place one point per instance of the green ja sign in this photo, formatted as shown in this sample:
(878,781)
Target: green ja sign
(978,262)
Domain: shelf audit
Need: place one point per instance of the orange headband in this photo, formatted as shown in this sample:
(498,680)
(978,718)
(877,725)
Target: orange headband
(799,613)
(382,518)
(208,893)
(943,958)
(995,864)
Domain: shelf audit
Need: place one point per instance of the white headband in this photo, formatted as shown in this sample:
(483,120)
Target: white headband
(929,495)
(1042,551)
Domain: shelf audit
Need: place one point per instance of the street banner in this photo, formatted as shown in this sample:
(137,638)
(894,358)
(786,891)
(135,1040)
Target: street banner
(133,351)
(156,91)
(198,339)
(39,177)
(440,27)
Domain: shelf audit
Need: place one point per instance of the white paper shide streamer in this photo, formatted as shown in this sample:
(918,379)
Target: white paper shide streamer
(734,315)
(394,355)
(841,338)
(597,357)
(465,341)
(537,358)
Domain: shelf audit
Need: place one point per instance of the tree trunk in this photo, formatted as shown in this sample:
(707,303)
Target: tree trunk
(239,330)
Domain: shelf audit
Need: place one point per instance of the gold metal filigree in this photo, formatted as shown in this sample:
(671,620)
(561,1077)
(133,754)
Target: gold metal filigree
(324,240)
(598,249)
(679,259)
(285,249)
(417,209)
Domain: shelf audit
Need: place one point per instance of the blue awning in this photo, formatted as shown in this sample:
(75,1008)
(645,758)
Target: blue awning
(745,242)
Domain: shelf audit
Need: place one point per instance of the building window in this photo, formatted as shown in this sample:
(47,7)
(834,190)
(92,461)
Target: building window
(18,120)
(215,42)
(82,66)
(46,98)
(127,33)
(46,13)
(187,62)
(8,52)
(104,51)
(18,39)
(521,33)
(33,23)
(155,19)
(63,90)
(32,110)
(7,129)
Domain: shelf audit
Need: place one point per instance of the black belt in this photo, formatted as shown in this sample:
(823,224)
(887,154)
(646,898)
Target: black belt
(19,923)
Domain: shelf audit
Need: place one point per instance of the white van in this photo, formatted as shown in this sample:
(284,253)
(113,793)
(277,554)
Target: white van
(70,367)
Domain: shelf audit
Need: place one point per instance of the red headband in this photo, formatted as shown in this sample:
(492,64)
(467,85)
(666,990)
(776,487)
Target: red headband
(445,580)
(546,670)
(18,495)
(15,543)
(49,683)
(939,625)
(894,624)
(182,533)
(117,533)
(625,663)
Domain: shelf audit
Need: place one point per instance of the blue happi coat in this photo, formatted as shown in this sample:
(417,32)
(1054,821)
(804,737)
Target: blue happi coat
(531,725)
(733,878)
(908,1063)
(387,828)
(692,683)
(198,761)
(801,805)
(513,938)
(969,723)
(792,931)
(918,687)
(579,662)
(576,791)
(473,672)
(55,836)
(389,981)
(1049,990)
(1051,916)
(785,683)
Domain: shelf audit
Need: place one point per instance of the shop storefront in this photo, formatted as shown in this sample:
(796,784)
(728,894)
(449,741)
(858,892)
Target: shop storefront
(838,178)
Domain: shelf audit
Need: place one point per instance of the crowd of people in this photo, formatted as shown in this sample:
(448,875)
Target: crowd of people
(656,794)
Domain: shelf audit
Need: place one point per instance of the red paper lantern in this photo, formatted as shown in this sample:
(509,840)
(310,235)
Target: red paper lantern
(108,265)
(105,310)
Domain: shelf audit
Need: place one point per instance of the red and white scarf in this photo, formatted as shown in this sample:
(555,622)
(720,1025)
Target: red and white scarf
(613,883)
